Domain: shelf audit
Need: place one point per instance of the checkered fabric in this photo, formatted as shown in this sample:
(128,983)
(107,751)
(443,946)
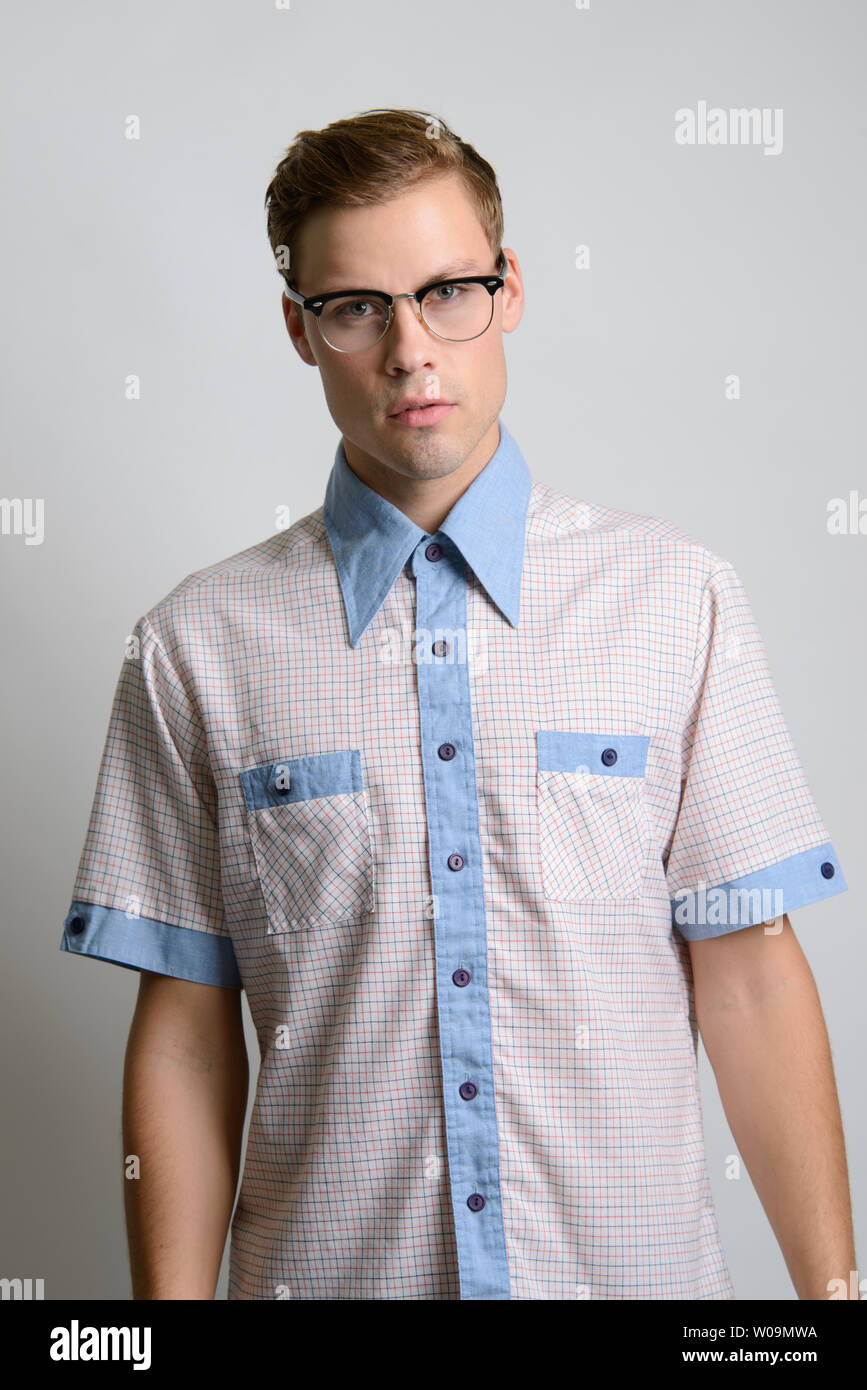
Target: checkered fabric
(450,809)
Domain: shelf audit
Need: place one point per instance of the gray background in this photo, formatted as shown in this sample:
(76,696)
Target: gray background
(150,257)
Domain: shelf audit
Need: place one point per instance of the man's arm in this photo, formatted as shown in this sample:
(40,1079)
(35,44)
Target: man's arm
(184,1101)
(763,1029)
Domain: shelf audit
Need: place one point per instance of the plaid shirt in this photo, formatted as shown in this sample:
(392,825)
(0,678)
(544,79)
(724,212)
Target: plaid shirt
(449,809)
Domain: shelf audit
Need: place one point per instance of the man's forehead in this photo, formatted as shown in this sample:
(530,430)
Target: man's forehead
(356,278)
(346,248)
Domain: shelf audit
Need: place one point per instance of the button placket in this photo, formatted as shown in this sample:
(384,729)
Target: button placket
(459,926)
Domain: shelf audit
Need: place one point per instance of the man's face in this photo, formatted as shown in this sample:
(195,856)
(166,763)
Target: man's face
(397,246)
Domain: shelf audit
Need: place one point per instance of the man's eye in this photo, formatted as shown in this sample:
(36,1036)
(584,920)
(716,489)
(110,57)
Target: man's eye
(348,310)
(447,292)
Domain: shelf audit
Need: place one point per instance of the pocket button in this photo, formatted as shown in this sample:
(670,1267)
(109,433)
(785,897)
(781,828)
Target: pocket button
(282,781)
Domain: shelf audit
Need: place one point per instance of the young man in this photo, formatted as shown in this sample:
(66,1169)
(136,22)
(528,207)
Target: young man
(484,796)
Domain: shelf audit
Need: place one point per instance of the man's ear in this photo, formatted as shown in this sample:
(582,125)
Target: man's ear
(294,321)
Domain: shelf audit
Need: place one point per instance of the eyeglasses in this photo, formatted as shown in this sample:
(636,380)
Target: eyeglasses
(455,310)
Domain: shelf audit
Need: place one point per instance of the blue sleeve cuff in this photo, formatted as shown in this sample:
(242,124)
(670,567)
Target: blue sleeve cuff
(142,943)
(767,893)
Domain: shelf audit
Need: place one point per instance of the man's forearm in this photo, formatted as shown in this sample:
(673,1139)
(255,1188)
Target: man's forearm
(184,1117)
(772,1061)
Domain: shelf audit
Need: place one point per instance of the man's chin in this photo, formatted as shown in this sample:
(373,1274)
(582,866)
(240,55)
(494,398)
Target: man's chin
(425,454)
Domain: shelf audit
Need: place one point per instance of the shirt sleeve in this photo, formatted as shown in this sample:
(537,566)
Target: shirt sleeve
(748,844)
(147,893)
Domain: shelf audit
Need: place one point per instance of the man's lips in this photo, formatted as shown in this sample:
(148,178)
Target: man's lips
(416,403)
(427,414)
(417,412)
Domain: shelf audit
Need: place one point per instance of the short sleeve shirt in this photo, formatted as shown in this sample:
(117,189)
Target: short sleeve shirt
(449,808)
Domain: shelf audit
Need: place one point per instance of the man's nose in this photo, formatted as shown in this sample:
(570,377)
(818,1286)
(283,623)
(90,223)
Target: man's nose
(408,333)
(406,311)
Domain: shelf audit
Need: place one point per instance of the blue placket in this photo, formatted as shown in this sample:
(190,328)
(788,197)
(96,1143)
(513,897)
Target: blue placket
(455,857)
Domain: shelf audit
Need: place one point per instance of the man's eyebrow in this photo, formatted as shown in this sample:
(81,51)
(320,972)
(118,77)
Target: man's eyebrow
(469,267)
(454,268)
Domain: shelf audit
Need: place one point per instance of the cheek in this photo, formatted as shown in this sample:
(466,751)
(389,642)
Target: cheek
(342,381)
(349,392)
(488,363)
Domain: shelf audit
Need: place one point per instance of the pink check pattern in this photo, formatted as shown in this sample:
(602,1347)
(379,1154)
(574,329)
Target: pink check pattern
(330,904)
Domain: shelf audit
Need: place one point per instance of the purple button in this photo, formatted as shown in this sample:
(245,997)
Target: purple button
(76,925)
(446,751)
(461,978)
(475,1201)
(468,1091)
(433,551)
(440,647)
(456,861)
(609,756)
(828,869)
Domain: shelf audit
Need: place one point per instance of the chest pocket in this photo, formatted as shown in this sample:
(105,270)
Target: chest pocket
(310,834)
(593,828)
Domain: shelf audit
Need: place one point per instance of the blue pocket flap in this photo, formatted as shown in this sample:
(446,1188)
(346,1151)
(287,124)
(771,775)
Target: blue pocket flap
(613,755)
(302,779)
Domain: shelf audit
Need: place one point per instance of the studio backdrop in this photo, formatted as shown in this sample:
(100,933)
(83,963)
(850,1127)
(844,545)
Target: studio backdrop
(683,187)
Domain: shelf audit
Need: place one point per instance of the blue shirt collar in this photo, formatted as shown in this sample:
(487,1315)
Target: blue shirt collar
(371,539)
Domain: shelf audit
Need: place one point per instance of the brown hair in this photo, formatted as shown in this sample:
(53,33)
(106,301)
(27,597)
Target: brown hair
(370,158)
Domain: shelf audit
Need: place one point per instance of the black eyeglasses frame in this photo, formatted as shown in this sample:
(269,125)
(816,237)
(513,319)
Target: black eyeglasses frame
(316,303)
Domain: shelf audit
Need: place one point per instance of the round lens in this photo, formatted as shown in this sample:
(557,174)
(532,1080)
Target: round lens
(458,312)
(353,322)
